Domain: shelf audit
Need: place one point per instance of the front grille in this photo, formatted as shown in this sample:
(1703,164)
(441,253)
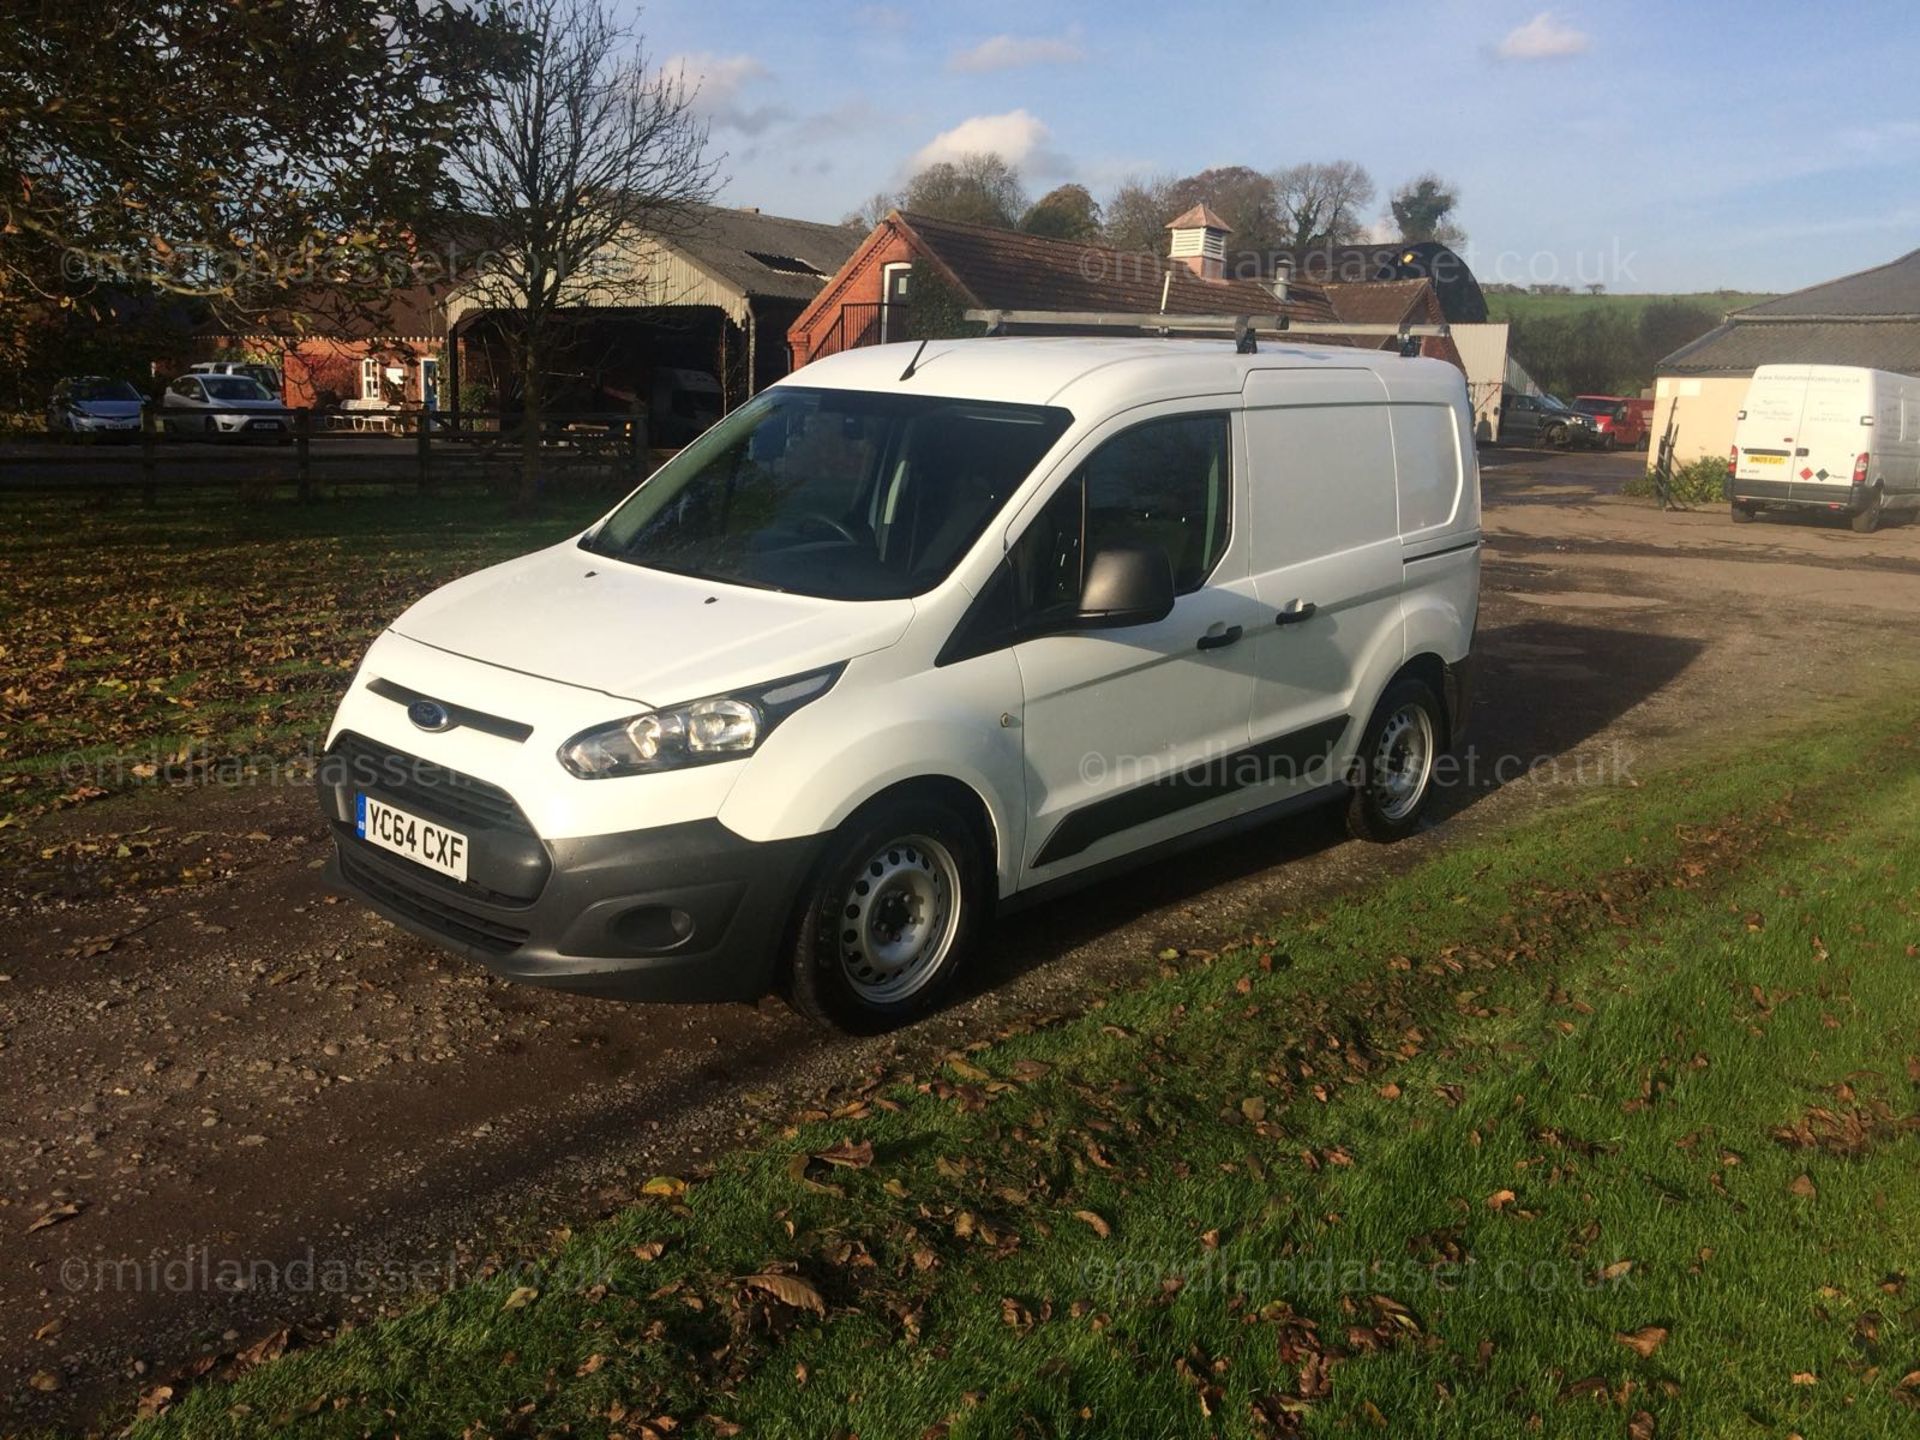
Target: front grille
(445,794)
(410,898)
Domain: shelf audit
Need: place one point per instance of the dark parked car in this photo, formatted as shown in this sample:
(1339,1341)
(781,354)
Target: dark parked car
(92,407)
(1543,420)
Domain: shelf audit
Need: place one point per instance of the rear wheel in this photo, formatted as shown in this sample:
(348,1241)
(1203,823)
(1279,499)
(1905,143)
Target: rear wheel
(890,915)
(1742,514)
(1392,775)
(1868,520)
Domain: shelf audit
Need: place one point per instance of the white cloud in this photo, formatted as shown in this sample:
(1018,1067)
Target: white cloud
(1015,52)
(717,82)
(1544,38)
(1015,137)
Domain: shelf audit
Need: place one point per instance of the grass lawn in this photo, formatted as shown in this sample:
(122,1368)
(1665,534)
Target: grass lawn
(1600,1127)
(208,630)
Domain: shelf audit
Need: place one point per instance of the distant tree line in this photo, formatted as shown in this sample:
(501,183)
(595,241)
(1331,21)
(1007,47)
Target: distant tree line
(1605,348)
(1294,207)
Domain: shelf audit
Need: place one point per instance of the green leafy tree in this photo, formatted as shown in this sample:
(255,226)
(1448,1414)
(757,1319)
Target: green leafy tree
(238,154)
(1068,212)
(980,189)
(1423,209)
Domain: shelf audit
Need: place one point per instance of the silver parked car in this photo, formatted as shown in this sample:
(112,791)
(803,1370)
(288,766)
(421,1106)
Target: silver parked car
(94,407)
(223,406)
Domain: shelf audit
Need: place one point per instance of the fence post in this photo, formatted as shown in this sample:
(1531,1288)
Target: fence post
(149,492)
(423,449)
(303,451)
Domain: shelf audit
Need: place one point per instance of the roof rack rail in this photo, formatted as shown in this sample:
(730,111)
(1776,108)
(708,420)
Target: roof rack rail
(1244,328)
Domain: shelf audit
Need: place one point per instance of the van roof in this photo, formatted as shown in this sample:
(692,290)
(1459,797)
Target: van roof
(1103,372)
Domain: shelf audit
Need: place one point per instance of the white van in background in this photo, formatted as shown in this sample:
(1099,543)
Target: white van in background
(913,637)
(1836,439)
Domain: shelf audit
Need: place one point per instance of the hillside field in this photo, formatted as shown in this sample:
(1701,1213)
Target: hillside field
(1540,307)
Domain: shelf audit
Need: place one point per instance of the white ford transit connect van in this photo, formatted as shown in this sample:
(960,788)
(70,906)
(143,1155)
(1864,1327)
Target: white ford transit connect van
(1827,438)
(894,646)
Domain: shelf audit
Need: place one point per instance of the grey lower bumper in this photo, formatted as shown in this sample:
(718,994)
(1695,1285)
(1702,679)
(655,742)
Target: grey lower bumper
(677,912)
(1798,495)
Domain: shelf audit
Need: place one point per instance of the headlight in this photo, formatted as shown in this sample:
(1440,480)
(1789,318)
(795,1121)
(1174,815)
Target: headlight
(700,732)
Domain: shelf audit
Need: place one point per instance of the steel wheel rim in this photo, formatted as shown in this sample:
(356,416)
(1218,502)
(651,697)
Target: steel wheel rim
(1402,762)
(898,919)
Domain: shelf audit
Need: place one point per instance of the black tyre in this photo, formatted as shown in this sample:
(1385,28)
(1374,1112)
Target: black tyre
(1742,514)
(1392,774)
(1868,520)
(891,913)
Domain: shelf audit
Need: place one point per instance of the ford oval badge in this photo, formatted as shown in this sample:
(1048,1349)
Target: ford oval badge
(429,715)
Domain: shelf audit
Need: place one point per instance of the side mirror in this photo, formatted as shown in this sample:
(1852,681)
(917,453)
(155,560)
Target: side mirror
(1126,585)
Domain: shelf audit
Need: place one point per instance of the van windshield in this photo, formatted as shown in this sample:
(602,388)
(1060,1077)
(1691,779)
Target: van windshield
(843,494)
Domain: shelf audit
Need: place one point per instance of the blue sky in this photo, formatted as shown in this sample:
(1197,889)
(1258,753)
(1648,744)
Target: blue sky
(1756,146)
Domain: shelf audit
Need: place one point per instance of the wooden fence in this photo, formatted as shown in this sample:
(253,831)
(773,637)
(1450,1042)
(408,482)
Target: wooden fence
(308,449)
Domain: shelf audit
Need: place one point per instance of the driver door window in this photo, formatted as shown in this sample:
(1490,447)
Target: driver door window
(1167,483)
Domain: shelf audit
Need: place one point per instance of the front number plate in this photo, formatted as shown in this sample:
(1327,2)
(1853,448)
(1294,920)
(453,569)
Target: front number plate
(421,841)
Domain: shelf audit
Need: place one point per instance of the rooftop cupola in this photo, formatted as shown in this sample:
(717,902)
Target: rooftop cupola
(1200,241)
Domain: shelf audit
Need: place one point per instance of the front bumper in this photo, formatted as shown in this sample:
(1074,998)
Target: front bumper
(1801,495)
(688,912)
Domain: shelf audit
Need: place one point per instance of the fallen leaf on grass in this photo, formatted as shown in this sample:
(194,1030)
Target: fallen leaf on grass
(789,1290)
(1644,1341)
(1802,1186)
(1806,1377)
(650,1250)
(1640,1427)
(269,1347)
(152,1402)
(668,1185)
(847,1154)
(1616,1269)
(522,1296)
(1500,1199)
(1094,1223)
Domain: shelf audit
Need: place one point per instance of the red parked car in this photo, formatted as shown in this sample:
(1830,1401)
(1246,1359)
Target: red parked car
(1622,422)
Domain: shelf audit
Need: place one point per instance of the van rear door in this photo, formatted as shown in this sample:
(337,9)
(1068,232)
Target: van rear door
(1768,432)
(1831,435)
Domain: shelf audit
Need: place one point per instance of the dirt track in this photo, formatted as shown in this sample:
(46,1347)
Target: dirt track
(240,1069)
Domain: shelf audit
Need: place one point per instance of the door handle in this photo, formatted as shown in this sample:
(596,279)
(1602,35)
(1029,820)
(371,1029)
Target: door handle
(1294,611)
(1220,642)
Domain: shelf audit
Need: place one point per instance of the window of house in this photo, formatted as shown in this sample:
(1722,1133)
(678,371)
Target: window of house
(1166,483)
(370,379)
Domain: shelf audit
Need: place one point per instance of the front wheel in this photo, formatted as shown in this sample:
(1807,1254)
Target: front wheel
(1392,774)
(891,913)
